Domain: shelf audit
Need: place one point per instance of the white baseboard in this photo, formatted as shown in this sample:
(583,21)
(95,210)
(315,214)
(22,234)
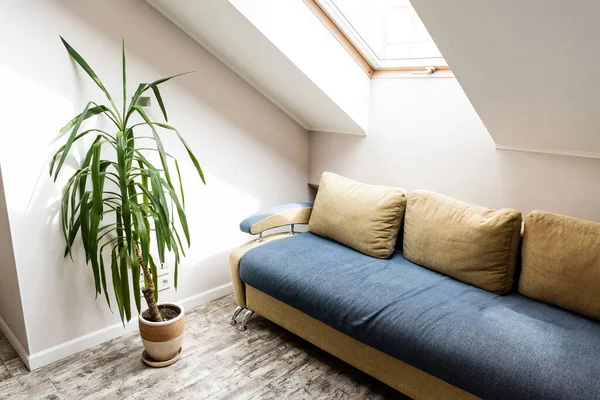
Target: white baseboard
(52,354)
(189,303)
(73,346)
(15,343)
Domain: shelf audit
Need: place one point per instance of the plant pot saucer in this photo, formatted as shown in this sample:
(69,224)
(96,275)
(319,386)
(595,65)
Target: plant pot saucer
(159,364)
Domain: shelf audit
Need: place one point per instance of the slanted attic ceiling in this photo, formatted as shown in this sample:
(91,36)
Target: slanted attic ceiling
(528,67)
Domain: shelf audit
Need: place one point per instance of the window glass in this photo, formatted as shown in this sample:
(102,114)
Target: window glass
(388,32)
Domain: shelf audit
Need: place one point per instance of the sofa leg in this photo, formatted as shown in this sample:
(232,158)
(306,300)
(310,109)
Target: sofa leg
(237,312)
(247,316)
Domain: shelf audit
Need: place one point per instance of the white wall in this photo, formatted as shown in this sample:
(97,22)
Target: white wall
(316,52)
(254,155)
(11,309)
(426,135)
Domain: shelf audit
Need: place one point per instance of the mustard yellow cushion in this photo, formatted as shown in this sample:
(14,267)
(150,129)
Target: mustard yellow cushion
(561,262)
(364,217)
(473,244)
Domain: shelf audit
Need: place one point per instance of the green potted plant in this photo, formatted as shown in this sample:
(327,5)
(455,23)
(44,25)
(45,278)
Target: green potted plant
(126,208)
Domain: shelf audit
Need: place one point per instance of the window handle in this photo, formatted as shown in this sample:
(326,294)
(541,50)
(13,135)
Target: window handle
(426,71)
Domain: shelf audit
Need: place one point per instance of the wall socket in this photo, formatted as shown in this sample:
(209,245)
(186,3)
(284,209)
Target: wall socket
(164,279)
(144,101)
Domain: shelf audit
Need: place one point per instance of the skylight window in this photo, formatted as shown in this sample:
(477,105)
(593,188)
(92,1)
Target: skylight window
(388,34)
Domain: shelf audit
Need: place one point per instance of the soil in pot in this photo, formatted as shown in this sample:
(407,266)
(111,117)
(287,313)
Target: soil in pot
(167,312)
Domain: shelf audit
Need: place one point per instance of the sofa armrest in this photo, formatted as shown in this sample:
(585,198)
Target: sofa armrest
(239,288)
(286,214)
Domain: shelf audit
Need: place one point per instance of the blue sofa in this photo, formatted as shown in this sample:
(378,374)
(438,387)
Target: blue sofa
(450,339)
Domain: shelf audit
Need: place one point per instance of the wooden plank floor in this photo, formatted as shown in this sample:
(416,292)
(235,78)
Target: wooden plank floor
(218,362)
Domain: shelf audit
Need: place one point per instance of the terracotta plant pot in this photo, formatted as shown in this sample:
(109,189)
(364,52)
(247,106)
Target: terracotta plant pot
(162,340)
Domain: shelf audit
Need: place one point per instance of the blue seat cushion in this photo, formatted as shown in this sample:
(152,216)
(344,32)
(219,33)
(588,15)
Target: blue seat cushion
(495,347)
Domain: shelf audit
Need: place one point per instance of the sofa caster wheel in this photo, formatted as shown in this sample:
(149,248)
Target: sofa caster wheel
(247,316)
(237,312)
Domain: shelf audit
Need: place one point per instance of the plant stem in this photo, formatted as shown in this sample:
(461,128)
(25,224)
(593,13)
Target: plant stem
(149,291)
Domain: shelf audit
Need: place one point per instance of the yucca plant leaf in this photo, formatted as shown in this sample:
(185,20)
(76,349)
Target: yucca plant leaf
(121,267)
(160,218)
(85,66)
(156,91)
(123,58)
(103,280)
(181,192)
(116,281)
(125,250)
(72,234)
(64,206)
(102,135)
(143,233)
(187,148)
(135,281)
(138,236)
(96,213)
(90,113)
(64,209)
(178,238)
(159,144)
(144,178)
(96,272)
(168,78)
(97,172)
(180,211)
(123,264)
(74,204)
(123,181)
(86,162)
(144,238)
(160,241)
(158,193)
(133,103)
(85,223)
(119,222)
(70,140)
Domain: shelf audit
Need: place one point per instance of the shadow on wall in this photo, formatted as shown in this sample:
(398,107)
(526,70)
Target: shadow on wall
(345,149)
(560,184)
(11,308)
